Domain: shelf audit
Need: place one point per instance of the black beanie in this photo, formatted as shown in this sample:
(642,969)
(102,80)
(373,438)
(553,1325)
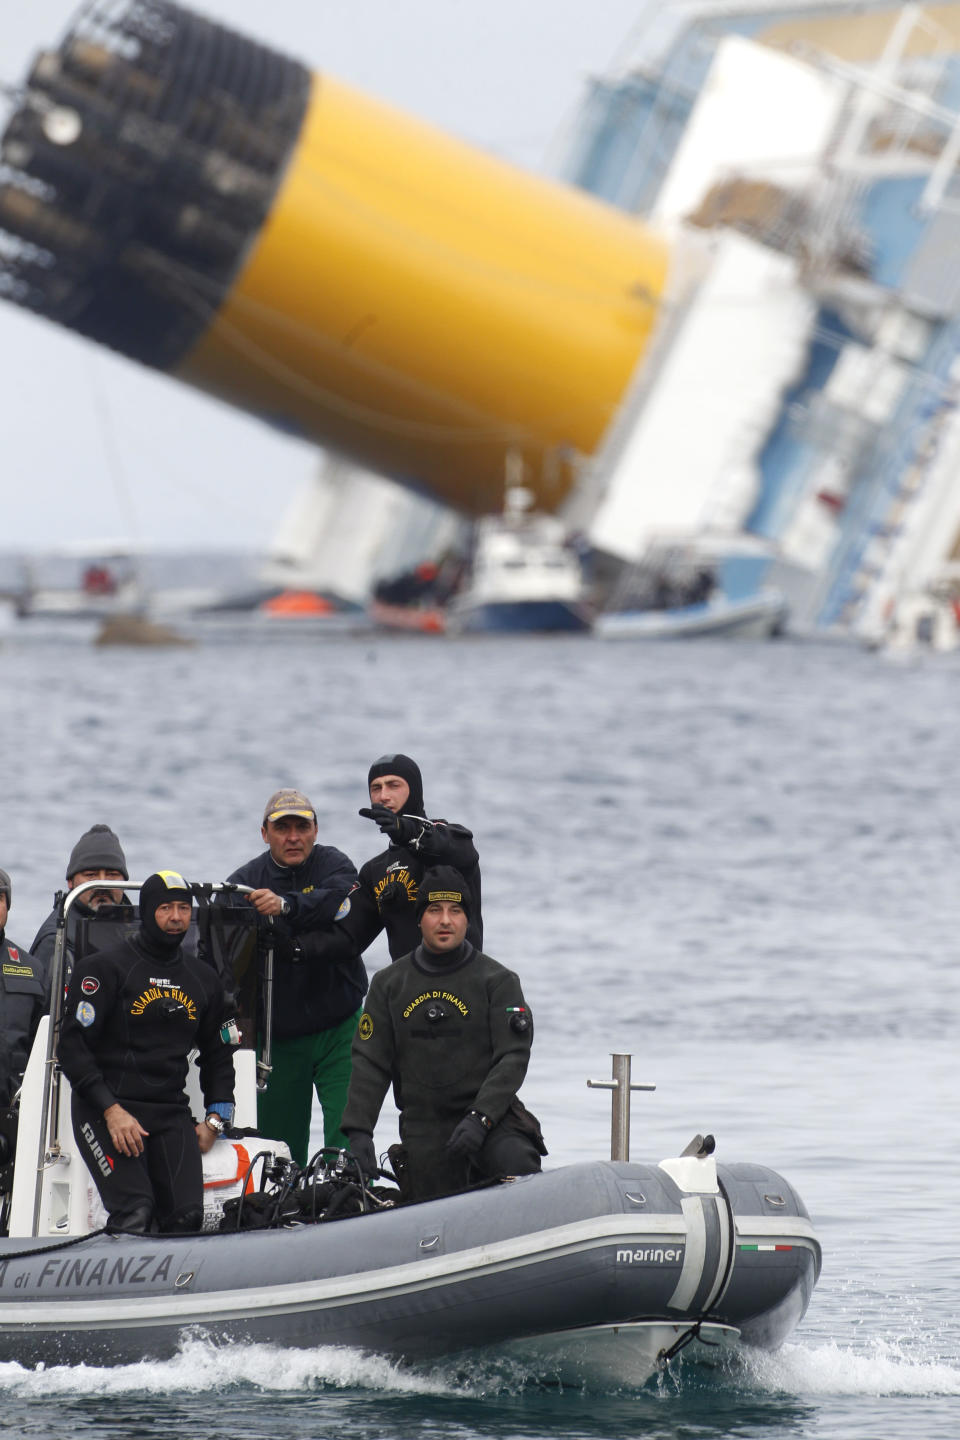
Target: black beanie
(97,849)
(408,770)
(443,883)
(161,888)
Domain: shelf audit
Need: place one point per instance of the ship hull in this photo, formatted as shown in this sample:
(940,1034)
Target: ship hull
(522,616)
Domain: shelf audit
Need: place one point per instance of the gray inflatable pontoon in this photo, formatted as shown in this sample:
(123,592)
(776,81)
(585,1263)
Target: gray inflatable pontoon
(602,1269)
(588,1269)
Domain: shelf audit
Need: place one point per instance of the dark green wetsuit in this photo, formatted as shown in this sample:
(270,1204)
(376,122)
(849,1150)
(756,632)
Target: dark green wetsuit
(451,1040)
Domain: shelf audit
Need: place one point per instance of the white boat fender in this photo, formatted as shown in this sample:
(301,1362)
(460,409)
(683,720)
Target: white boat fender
(227,1163)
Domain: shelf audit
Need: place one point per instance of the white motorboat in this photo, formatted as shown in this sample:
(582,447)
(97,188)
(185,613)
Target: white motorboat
(525,576)
(89,581)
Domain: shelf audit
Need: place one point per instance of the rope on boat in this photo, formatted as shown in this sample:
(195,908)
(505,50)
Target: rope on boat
(665,1356)
(57,1245)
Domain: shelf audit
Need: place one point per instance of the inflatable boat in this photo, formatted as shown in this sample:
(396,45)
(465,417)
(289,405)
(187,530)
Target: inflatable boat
(602,1268)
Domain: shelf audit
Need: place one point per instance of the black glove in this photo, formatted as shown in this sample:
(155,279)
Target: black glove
(399,829)
(468,1137)
(393,899)
(332,946)
(361,1148)
(285,945)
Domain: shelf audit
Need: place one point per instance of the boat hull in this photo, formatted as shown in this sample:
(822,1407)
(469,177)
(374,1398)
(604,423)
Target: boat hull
(548,1258)
(613,1355)
(755,618)
(522,616)
(413,619)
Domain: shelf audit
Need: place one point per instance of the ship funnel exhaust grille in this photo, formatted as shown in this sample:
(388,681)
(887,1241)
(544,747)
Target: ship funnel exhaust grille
(139,163)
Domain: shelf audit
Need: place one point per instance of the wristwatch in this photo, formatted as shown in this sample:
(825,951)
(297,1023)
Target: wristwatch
(219,1116)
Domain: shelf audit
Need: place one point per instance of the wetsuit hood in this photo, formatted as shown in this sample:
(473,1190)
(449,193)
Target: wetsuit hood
(160,889)
(408,770)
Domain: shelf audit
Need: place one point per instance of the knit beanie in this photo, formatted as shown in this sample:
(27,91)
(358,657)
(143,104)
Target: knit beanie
(161,888)
(443,883)
(97,849)
(408,770)
(6,888)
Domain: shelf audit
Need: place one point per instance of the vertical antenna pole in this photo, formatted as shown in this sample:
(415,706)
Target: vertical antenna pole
(620,1110)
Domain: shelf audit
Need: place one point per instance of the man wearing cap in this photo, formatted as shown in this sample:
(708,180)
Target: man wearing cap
(23,999)
(97,855)
(132,1015)
(387,897)
(317,994)
(449,1027)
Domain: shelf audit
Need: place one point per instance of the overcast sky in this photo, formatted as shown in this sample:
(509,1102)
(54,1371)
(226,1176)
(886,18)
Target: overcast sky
(95,446)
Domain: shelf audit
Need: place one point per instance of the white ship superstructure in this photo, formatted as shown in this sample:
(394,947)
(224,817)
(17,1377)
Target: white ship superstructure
(348,528)
(803,386)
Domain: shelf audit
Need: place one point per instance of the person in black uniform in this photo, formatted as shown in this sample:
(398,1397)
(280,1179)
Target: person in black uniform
(317,993)
(97,855)
(24,996)
(387,897)
(133,1013)
(450,1028)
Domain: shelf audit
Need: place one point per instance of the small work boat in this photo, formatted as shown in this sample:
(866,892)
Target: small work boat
(94,582)
(753,617)
(525,576)
(409,619)
(686,588)
(603,1268)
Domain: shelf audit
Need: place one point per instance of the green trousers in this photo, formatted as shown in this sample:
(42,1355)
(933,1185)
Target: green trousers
(309,1062)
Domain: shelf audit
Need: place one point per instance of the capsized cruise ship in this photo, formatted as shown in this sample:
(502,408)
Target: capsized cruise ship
(734,314)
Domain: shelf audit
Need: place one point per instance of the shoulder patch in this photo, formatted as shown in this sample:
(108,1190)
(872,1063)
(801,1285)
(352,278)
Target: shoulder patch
(86,1013)
(344,910)
(365,1026)
(89,984)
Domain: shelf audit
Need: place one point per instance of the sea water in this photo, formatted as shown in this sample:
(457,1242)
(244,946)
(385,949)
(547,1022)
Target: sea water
(737,863)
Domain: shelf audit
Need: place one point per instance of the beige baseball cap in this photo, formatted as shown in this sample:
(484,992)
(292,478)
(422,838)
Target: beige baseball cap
(289,802)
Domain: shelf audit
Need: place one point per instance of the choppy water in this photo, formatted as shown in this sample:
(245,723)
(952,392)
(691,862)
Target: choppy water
(737,863)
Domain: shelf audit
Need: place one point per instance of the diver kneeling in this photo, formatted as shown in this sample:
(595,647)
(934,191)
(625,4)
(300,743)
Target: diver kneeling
(450,1028)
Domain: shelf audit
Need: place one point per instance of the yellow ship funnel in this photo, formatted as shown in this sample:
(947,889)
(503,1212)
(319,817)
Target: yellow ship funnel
(210,208)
